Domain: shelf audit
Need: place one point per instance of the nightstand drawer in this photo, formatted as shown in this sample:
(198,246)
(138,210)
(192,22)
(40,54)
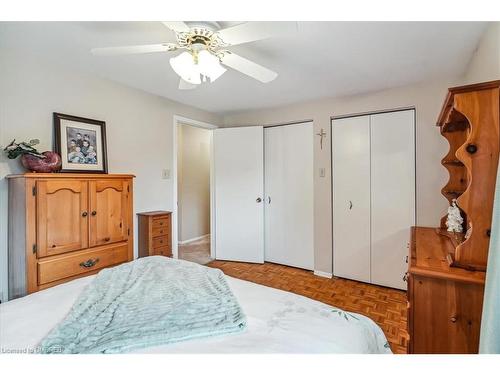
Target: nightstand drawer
(161,242)
(165,251)
(161,222)
(160,231)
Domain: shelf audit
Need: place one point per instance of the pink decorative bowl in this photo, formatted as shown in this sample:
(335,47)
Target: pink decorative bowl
(51,162)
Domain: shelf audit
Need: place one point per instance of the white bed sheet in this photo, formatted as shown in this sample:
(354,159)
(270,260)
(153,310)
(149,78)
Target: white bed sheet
(278,322)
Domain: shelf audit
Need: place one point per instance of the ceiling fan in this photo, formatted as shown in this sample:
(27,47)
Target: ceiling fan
(205,49)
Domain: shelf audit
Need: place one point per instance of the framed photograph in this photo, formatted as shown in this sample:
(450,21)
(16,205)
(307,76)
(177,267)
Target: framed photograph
(81,142)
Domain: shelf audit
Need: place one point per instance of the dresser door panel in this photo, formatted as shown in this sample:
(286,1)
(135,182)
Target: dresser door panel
(62,216)
(108,211)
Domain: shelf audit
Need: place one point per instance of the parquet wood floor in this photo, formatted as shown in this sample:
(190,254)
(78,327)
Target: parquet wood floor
(385,306)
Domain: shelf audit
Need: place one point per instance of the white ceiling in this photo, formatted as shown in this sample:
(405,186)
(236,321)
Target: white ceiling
(323,59)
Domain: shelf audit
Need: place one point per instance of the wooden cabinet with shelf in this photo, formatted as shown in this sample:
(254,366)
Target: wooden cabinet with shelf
(446,271)
(469,120)
(63,226)
(155,233)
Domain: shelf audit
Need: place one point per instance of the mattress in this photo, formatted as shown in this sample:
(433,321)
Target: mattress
(277,322)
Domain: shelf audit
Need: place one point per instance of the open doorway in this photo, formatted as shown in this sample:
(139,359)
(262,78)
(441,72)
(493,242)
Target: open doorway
(193,192)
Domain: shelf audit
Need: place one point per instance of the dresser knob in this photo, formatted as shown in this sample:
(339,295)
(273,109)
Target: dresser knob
(471,148)
(54,245)
(89,263)
(107,239)
(94,213)
(453,319)
(84,213)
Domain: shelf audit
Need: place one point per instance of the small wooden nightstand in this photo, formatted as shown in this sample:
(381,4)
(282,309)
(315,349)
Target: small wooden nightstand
(155,233)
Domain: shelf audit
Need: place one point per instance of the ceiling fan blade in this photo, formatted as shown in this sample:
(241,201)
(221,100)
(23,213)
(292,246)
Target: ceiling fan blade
(184,85)
(248,67)
(131,50)
(177,26)
(252,31)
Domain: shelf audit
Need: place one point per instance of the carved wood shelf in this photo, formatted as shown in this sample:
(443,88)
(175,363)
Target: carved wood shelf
(469,120)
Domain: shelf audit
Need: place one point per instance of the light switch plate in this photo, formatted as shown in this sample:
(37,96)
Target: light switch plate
(165,174)
(322,172)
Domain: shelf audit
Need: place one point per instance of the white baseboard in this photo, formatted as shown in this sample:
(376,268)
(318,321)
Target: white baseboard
(323,274)
(193,239)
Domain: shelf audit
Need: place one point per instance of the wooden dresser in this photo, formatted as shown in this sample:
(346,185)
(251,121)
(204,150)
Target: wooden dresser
(155,233)
(445,303)
(63,226)
(447,270)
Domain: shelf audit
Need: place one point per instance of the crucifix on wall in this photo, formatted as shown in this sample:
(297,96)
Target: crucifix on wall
(322,134)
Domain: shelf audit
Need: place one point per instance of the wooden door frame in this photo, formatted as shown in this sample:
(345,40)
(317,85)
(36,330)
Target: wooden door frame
(178,120)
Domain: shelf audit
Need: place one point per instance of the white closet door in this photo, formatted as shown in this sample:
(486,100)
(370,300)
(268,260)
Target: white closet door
(239,191)
(392,195)
(289,178)
(351,197)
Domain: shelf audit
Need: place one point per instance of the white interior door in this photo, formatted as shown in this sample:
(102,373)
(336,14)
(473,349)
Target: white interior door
(392,195)
(351,197)
(289,178)
(238,194)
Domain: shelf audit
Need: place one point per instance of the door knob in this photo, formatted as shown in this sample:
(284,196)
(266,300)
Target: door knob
(258,200)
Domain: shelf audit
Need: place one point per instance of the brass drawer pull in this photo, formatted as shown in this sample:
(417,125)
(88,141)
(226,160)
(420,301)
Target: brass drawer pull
(89,263)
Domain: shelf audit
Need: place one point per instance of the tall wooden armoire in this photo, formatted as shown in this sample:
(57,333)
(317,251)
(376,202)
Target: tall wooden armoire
(64,226)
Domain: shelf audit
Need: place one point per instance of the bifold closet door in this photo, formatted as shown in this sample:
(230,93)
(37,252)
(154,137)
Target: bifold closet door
(289,178)
(392,195)
(239,194)
(351,197)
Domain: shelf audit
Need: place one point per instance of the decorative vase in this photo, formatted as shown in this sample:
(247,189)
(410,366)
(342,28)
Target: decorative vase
(50,163)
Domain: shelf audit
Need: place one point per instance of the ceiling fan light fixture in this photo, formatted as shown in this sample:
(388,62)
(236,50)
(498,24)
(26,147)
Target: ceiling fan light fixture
(185,66)
(209,65)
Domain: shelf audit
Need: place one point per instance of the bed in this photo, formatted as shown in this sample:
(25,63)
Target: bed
(276,322)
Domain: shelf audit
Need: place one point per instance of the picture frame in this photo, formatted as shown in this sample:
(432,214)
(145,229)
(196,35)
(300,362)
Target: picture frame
(81,143)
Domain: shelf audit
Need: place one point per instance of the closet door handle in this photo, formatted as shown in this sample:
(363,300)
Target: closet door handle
(258,200)
(350,205)
(269,200)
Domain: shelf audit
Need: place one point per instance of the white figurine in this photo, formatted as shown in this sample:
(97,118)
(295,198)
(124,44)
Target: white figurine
(454,220)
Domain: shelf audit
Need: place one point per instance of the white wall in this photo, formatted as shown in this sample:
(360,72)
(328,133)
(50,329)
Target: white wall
(193,180)
(485,63)
(427,99)
(138,125)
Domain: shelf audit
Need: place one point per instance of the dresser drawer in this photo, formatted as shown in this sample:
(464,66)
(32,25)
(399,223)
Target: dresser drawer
(160,231)
(161,222)
(61,267)
(165,251)
(161,242)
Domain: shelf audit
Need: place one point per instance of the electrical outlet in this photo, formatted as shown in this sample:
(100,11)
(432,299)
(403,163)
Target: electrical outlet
(322,172)
(165,174)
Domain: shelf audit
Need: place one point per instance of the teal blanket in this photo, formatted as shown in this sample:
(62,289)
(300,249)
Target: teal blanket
(150,301)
